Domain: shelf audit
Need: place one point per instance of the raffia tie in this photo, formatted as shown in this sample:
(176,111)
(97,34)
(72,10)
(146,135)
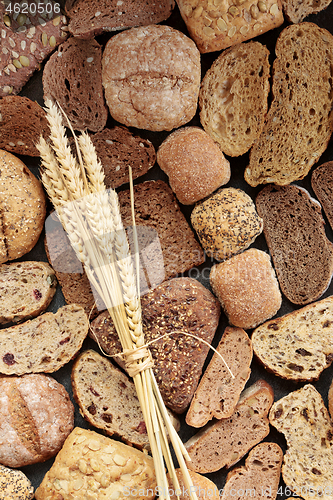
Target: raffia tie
(131,358)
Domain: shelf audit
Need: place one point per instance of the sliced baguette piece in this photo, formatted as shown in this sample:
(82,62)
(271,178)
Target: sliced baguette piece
(299,345)
(299,123)
(295,11)
(304,420)
(217,393)
(225,442)
(322,184)
(43,344)
(295,235)
(233,97)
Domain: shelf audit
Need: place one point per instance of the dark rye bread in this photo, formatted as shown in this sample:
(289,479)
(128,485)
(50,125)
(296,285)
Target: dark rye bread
(73,77)
(295,11)
(88,19)
(322,184)
(295,235)
(178,305)
(224,442)
(22,122)
(299,123)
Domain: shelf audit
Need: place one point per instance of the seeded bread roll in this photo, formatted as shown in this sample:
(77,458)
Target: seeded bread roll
(14,485)
(220,24)
(218,393)
(296,11)
(247,288)
(27,289)
(233,97)
(194,163)
(36,416)
(225,442)
(304,420)
(322,184)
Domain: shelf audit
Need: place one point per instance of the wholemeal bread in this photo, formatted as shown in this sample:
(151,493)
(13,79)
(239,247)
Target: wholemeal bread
(73,77)
(217,393)
(194,164)
(14,485)
(43,344)
(295,235)
(220,24)
(299,122)
(233,97)
(299,345)
(322,184)
(36,416)
(151,77)
(225,442)
(181,305)
(88,19)
(97,467)
(27,289)
(202,486)
(247,288)
(296,11)
(304,420)
(259,477)
(226,223)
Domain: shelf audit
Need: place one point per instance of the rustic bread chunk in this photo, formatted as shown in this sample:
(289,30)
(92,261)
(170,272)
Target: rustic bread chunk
(322,184)
(114,469)
(51,340)
(88,19)
(15,485)
(296,11)
(304,420)
(299,122)
(36,416)
(72,76)
(233,97)
(295,235)
(226,441)
(26,289)
(218,393)
(299,345)
(179,305)
(260,476)
(203,487)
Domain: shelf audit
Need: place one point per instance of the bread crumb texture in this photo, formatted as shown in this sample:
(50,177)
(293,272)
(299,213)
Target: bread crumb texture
(296,11)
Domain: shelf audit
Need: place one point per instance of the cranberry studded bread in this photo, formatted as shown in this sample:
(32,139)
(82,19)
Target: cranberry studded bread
(225,442)
(222,23)
(73,77)
(299,123)
(203,487)
(299,345)
(304,420)
(36,416)
(88,19)
(88,460)
(322,184)
(178,305)
(296,11)
(26,288)
(260,475)
(295,235)
(233,97)
(218,393)
(22,123)
(105,394)
(22,208)
(43,344)
(15,485)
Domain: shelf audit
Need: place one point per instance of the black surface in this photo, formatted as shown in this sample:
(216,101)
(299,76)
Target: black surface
(33,89)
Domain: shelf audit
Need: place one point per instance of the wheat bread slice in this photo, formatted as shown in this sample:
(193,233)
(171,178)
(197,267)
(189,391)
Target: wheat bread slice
(299,345)
(295,11)
(304,420)
(299,122)
(233,97)
(322,184)
(295,235)
(225,442)
(43,344)
(217,393)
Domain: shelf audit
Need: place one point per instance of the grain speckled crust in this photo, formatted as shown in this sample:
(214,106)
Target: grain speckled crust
(194,163)
(96,467)
(247,288)
(226,223)
(22,208)
(220,24)
(295,11)
(183,305)
(36,416)
(304,420)
(151,77)
(15,485)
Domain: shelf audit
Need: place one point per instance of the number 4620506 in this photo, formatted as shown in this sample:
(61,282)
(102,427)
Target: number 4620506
(33,8)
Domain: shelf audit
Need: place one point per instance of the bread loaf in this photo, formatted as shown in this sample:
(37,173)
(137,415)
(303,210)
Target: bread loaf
(203,487)
(322,184)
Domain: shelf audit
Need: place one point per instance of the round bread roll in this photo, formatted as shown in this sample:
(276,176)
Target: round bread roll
(151,77)
(15,485)
(22,208)
(36,416)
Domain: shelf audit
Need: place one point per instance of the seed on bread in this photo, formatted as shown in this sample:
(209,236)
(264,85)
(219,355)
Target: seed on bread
(15,485)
